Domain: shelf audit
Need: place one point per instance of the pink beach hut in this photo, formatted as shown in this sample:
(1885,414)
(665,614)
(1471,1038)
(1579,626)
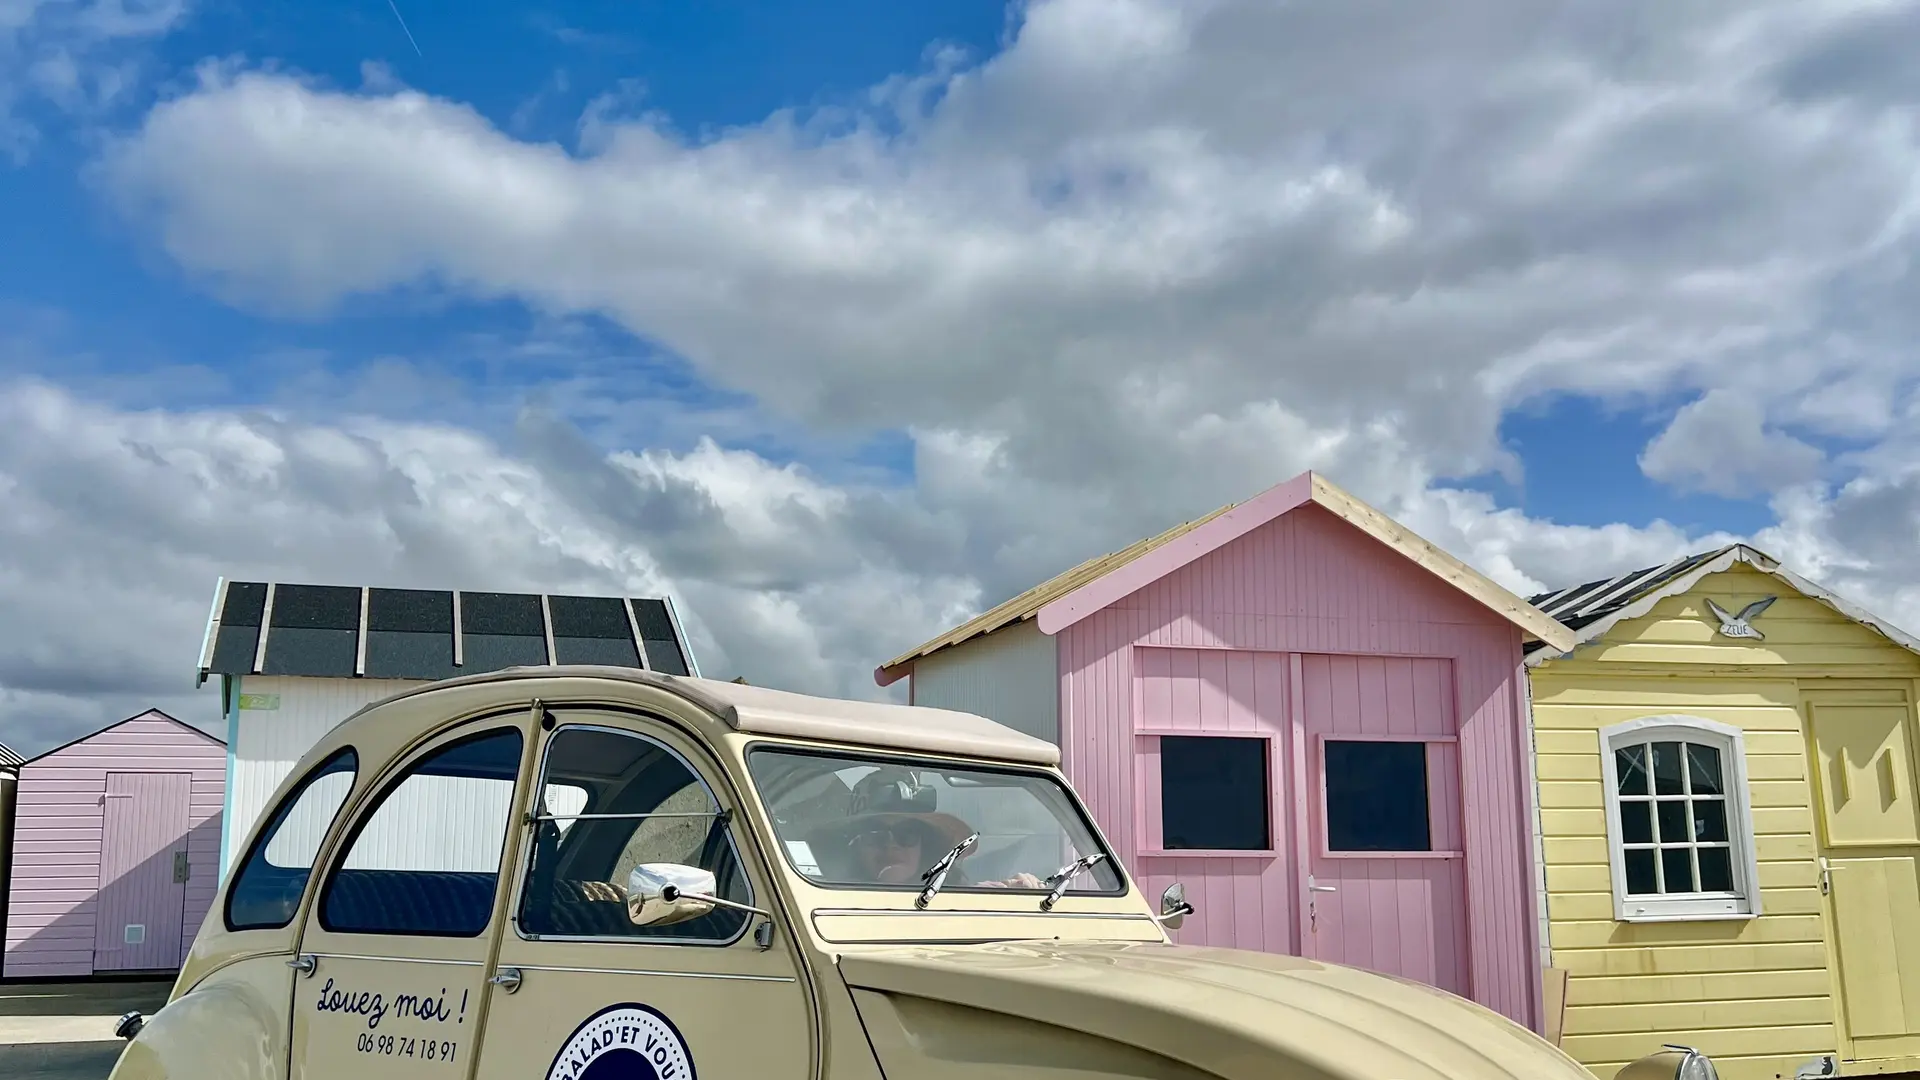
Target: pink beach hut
(1311,717)
(116,850)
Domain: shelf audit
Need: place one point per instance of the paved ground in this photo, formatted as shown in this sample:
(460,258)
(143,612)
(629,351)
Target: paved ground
(64,1031)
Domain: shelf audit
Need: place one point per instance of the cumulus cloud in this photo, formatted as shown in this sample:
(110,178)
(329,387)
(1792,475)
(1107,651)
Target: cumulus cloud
(1151,257)
(1721,445)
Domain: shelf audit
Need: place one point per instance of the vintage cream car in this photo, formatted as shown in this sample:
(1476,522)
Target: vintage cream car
(606,874)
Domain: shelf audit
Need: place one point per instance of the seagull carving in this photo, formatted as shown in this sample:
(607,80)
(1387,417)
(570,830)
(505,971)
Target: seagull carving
(1741,625)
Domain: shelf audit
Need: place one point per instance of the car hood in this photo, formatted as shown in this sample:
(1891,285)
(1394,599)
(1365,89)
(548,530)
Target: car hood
(1225,1012)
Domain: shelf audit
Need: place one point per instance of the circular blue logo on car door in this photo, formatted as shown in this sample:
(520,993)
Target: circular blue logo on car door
(628,1041)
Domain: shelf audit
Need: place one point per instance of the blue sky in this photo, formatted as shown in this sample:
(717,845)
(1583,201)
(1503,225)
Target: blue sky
(561,301)
(103,309)
(96,306)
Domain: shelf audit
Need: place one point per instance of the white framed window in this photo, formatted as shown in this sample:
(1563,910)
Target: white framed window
(1679,820)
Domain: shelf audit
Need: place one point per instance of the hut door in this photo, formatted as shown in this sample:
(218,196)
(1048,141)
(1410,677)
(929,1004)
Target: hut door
(1386,869)
(143,895)
(1870,841)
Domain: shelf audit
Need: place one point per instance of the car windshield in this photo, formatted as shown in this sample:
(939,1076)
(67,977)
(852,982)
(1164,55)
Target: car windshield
(857,821)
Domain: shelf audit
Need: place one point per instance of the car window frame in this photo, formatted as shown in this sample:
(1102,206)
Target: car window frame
(884,757)
(270,831)
(733,816)
(399,770)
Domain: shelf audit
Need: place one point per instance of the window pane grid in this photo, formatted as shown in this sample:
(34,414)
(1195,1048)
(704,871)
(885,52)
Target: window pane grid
(1674,821)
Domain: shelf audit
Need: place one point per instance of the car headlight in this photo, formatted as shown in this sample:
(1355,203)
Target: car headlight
(1670,1063)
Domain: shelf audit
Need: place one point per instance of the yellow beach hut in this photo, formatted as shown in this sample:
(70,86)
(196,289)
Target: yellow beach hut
(1726,779)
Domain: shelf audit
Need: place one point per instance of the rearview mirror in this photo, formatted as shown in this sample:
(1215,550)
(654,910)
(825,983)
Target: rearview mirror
(661,894)
(1174,908)
(1670,1063)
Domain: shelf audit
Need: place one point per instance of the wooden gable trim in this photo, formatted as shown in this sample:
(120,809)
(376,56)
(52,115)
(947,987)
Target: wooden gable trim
(1591,633)
(1123,581)
(150,713)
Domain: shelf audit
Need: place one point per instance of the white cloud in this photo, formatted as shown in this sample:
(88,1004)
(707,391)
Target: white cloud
(1150,258)
(1722,445)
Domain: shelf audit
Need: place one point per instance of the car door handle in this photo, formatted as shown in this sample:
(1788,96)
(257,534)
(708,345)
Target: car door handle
(507,979)
(1322,888)
(304,963)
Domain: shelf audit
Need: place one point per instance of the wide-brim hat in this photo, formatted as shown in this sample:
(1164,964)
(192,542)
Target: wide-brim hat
(944,830)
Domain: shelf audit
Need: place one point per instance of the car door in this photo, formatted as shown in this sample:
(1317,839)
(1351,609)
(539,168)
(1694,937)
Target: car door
(592,996)
(395,947)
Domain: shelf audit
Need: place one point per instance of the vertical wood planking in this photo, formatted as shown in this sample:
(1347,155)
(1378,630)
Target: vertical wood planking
(1309,583)
(144,822)
(270,742)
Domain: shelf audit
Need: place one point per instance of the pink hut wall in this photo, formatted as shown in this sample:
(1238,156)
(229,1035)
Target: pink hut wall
(1287,608)
(60,815)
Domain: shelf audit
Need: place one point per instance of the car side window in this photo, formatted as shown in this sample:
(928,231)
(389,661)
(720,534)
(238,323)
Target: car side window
(425,861)
(657,810)
(267,889)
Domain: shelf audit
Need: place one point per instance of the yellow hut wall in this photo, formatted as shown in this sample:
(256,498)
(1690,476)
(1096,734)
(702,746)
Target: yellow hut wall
(1756,995)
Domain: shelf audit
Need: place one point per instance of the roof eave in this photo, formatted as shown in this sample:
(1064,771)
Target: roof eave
(1684,583)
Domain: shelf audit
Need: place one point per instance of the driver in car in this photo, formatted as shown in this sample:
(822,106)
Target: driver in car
(894,840)
(892,849)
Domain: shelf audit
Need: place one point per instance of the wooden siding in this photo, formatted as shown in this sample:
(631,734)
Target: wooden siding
(1803,634)
(1011,675)
(1250,902)
(467,816)
(53,897)
(269,742)
(1757,995)
(1309,583)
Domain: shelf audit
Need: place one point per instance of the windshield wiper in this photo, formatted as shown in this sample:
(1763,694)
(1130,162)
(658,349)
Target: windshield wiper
(1066,874)
(936,875)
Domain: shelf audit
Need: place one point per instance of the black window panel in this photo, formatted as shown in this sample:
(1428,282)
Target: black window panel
(320,607)
(1377,796)
(1716,870)
(1214,793)
(239,633)
(413,611)
(423,902)
(509,614)
(1640,874)
(594,650)
(394,654)
(655,623)
(491,652)
(664,656)
(589,617)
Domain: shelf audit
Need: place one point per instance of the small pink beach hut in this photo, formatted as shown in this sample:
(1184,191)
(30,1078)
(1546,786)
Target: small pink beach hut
(116,850)
(1312,718)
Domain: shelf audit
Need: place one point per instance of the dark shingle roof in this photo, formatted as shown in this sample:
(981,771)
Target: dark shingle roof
(349,631)
(1577,605)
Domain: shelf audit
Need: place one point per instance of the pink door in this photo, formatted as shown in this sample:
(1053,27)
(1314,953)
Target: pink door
(143,871)
(1386,887)
(1214,811)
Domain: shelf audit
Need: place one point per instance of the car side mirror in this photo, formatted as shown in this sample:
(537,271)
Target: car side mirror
(661,894)
(1174,908)
(1670,1063)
